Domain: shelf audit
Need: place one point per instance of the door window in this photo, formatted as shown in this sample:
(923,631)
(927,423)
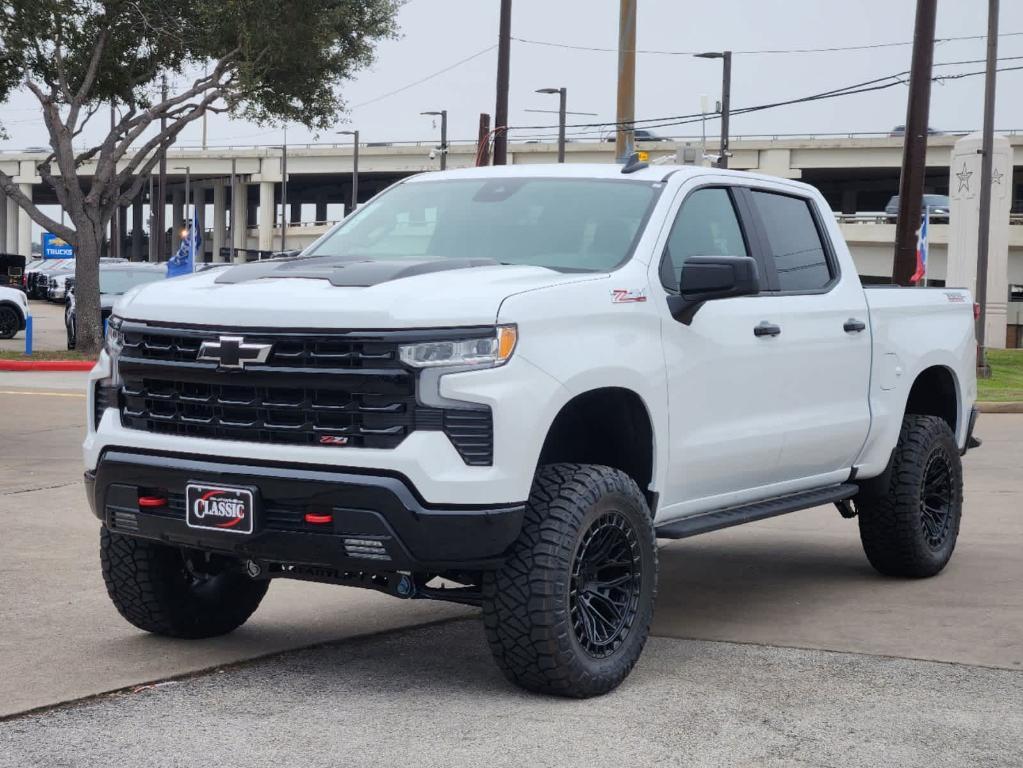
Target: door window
(706,225)
(794,242)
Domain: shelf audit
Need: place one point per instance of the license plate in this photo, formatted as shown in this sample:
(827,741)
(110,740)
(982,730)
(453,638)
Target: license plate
(219,508)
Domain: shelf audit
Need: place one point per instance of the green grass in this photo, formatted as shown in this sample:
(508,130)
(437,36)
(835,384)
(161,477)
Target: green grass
(1006,382)
(50,354)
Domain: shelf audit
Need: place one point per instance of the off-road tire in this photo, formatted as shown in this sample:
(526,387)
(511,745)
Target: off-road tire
(151,586)
(891,508)
(530,606)
(10,321)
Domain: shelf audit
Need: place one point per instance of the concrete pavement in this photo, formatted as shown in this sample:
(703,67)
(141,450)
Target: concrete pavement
(48,330)
(799,581)
(429,697)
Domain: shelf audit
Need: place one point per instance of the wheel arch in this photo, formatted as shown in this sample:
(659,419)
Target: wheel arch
(608,425)
(936,392)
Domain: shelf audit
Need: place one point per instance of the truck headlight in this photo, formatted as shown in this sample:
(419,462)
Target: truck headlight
(113,345)
(486,352)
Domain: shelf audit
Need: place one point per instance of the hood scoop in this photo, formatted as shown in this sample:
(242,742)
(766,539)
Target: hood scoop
(345,271)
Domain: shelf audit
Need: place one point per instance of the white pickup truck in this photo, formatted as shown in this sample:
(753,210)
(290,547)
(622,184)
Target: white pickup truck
(499,386)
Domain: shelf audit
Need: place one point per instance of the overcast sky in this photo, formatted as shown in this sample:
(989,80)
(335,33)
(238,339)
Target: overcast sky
(439,33)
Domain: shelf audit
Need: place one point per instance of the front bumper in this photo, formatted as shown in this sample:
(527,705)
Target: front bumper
(378,521)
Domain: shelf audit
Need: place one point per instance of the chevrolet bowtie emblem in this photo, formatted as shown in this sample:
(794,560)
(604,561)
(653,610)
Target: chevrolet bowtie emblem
(233,352)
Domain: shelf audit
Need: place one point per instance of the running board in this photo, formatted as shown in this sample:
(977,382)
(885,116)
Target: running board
(706,522)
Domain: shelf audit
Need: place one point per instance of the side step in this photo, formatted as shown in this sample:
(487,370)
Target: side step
(761,510)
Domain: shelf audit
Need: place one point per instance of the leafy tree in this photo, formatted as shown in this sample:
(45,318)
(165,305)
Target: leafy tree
(265,60)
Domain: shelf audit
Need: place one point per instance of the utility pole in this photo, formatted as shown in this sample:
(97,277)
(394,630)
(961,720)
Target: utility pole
(726,99)
(562,117)
(483,141)
(503,76)
(626,112)
(443,115)
(986,161)
(914,153)
(161,186)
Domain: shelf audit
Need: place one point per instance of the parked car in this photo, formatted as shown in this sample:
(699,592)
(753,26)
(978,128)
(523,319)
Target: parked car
(114,281)
(13,312)
(37,276)
(566,363)
(58,286)
(939,206)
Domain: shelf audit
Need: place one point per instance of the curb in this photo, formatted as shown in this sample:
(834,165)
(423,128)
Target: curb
(46,365)
(1008,407)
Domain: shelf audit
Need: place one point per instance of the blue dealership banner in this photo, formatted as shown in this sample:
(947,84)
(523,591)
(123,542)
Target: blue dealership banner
(56,248)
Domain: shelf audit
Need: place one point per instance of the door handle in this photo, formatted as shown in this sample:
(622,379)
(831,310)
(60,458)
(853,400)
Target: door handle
(766,329)
(852,325)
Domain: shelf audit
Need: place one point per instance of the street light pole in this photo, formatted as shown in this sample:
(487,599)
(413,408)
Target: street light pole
(986,163)
(563,98)
(355,166)
(625,114)
(726,98)
(443,114)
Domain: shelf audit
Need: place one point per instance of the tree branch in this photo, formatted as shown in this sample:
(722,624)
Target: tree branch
(14,191)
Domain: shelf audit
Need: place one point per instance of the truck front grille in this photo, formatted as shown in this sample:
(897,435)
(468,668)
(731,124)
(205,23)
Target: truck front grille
(337,390)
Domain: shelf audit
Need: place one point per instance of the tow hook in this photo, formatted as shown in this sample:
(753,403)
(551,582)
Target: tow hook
(406,587)
(253,569)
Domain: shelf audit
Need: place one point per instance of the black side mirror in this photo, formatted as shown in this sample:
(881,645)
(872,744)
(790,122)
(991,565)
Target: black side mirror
(706,278)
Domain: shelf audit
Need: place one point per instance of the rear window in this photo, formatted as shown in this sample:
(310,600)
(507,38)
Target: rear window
(794,242)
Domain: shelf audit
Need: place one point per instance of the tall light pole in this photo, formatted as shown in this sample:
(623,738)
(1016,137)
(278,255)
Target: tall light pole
(355,166)
(503,76)
(443,114)
(188,209)
(726,98)
(284,192)
(563,96)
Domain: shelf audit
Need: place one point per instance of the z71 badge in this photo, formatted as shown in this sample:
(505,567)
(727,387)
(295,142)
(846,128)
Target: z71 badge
(627,295)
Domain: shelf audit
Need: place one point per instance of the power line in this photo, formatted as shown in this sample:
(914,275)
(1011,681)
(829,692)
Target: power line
(866,47)
(868,86)
(422,80)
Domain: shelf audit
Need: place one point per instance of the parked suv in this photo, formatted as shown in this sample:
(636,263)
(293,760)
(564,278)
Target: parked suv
(498,386)
(13,312)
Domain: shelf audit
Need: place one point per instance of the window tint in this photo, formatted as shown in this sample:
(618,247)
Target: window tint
(706,225)
(794,242)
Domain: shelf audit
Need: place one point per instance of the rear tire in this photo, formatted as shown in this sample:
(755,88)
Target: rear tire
(909,517)
(10,323)
(173,592)
(569,611)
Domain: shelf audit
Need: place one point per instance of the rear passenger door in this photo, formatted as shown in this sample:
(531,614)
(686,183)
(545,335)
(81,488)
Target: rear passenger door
(825,335)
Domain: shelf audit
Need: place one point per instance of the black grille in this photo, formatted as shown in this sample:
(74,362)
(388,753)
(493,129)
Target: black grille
(316,389)
(104,397)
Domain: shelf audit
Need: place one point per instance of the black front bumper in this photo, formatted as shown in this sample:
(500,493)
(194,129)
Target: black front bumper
(378,521)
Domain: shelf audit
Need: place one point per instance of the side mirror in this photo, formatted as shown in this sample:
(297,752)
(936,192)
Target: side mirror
(706,278)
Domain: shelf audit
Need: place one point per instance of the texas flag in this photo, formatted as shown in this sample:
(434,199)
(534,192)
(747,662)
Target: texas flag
(921,249)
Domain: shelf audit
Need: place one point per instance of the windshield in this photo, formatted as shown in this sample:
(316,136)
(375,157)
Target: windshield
(122,280)
(563,224)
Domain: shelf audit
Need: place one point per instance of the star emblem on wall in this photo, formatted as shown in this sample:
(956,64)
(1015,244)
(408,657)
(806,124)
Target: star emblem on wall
(964,179)
(996,176)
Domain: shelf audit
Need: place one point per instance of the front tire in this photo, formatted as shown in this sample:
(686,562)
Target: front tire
(10,322)
(174,592)
(909,517)
(569,611)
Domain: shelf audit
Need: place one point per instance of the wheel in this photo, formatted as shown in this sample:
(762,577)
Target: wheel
(10,322)
(909,517)
(175,592)
(569,611)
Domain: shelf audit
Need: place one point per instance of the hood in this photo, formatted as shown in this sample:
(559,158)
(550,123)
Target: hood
(406,294)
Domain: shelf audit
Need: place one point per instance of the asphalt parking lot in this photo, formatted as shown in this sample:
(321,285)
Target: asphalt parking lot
(773,644)
(48,331)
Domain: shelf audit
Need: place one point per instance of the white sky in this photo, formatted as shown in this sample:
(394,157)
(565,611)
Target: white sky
(438,33)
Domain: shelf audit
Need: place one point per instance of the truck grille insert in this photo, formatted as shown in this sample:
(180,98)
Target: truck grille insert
(337,391)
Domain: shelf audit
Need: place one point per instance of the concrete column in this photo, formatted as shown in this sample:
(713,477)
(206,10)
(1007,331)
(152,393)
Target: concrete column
(25,225)
(11,240)
(240,218)
(964,220)
(177,217)
(266,215)
(199,206)
(219,218)
(136,229)
(321,208)
(3,222)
